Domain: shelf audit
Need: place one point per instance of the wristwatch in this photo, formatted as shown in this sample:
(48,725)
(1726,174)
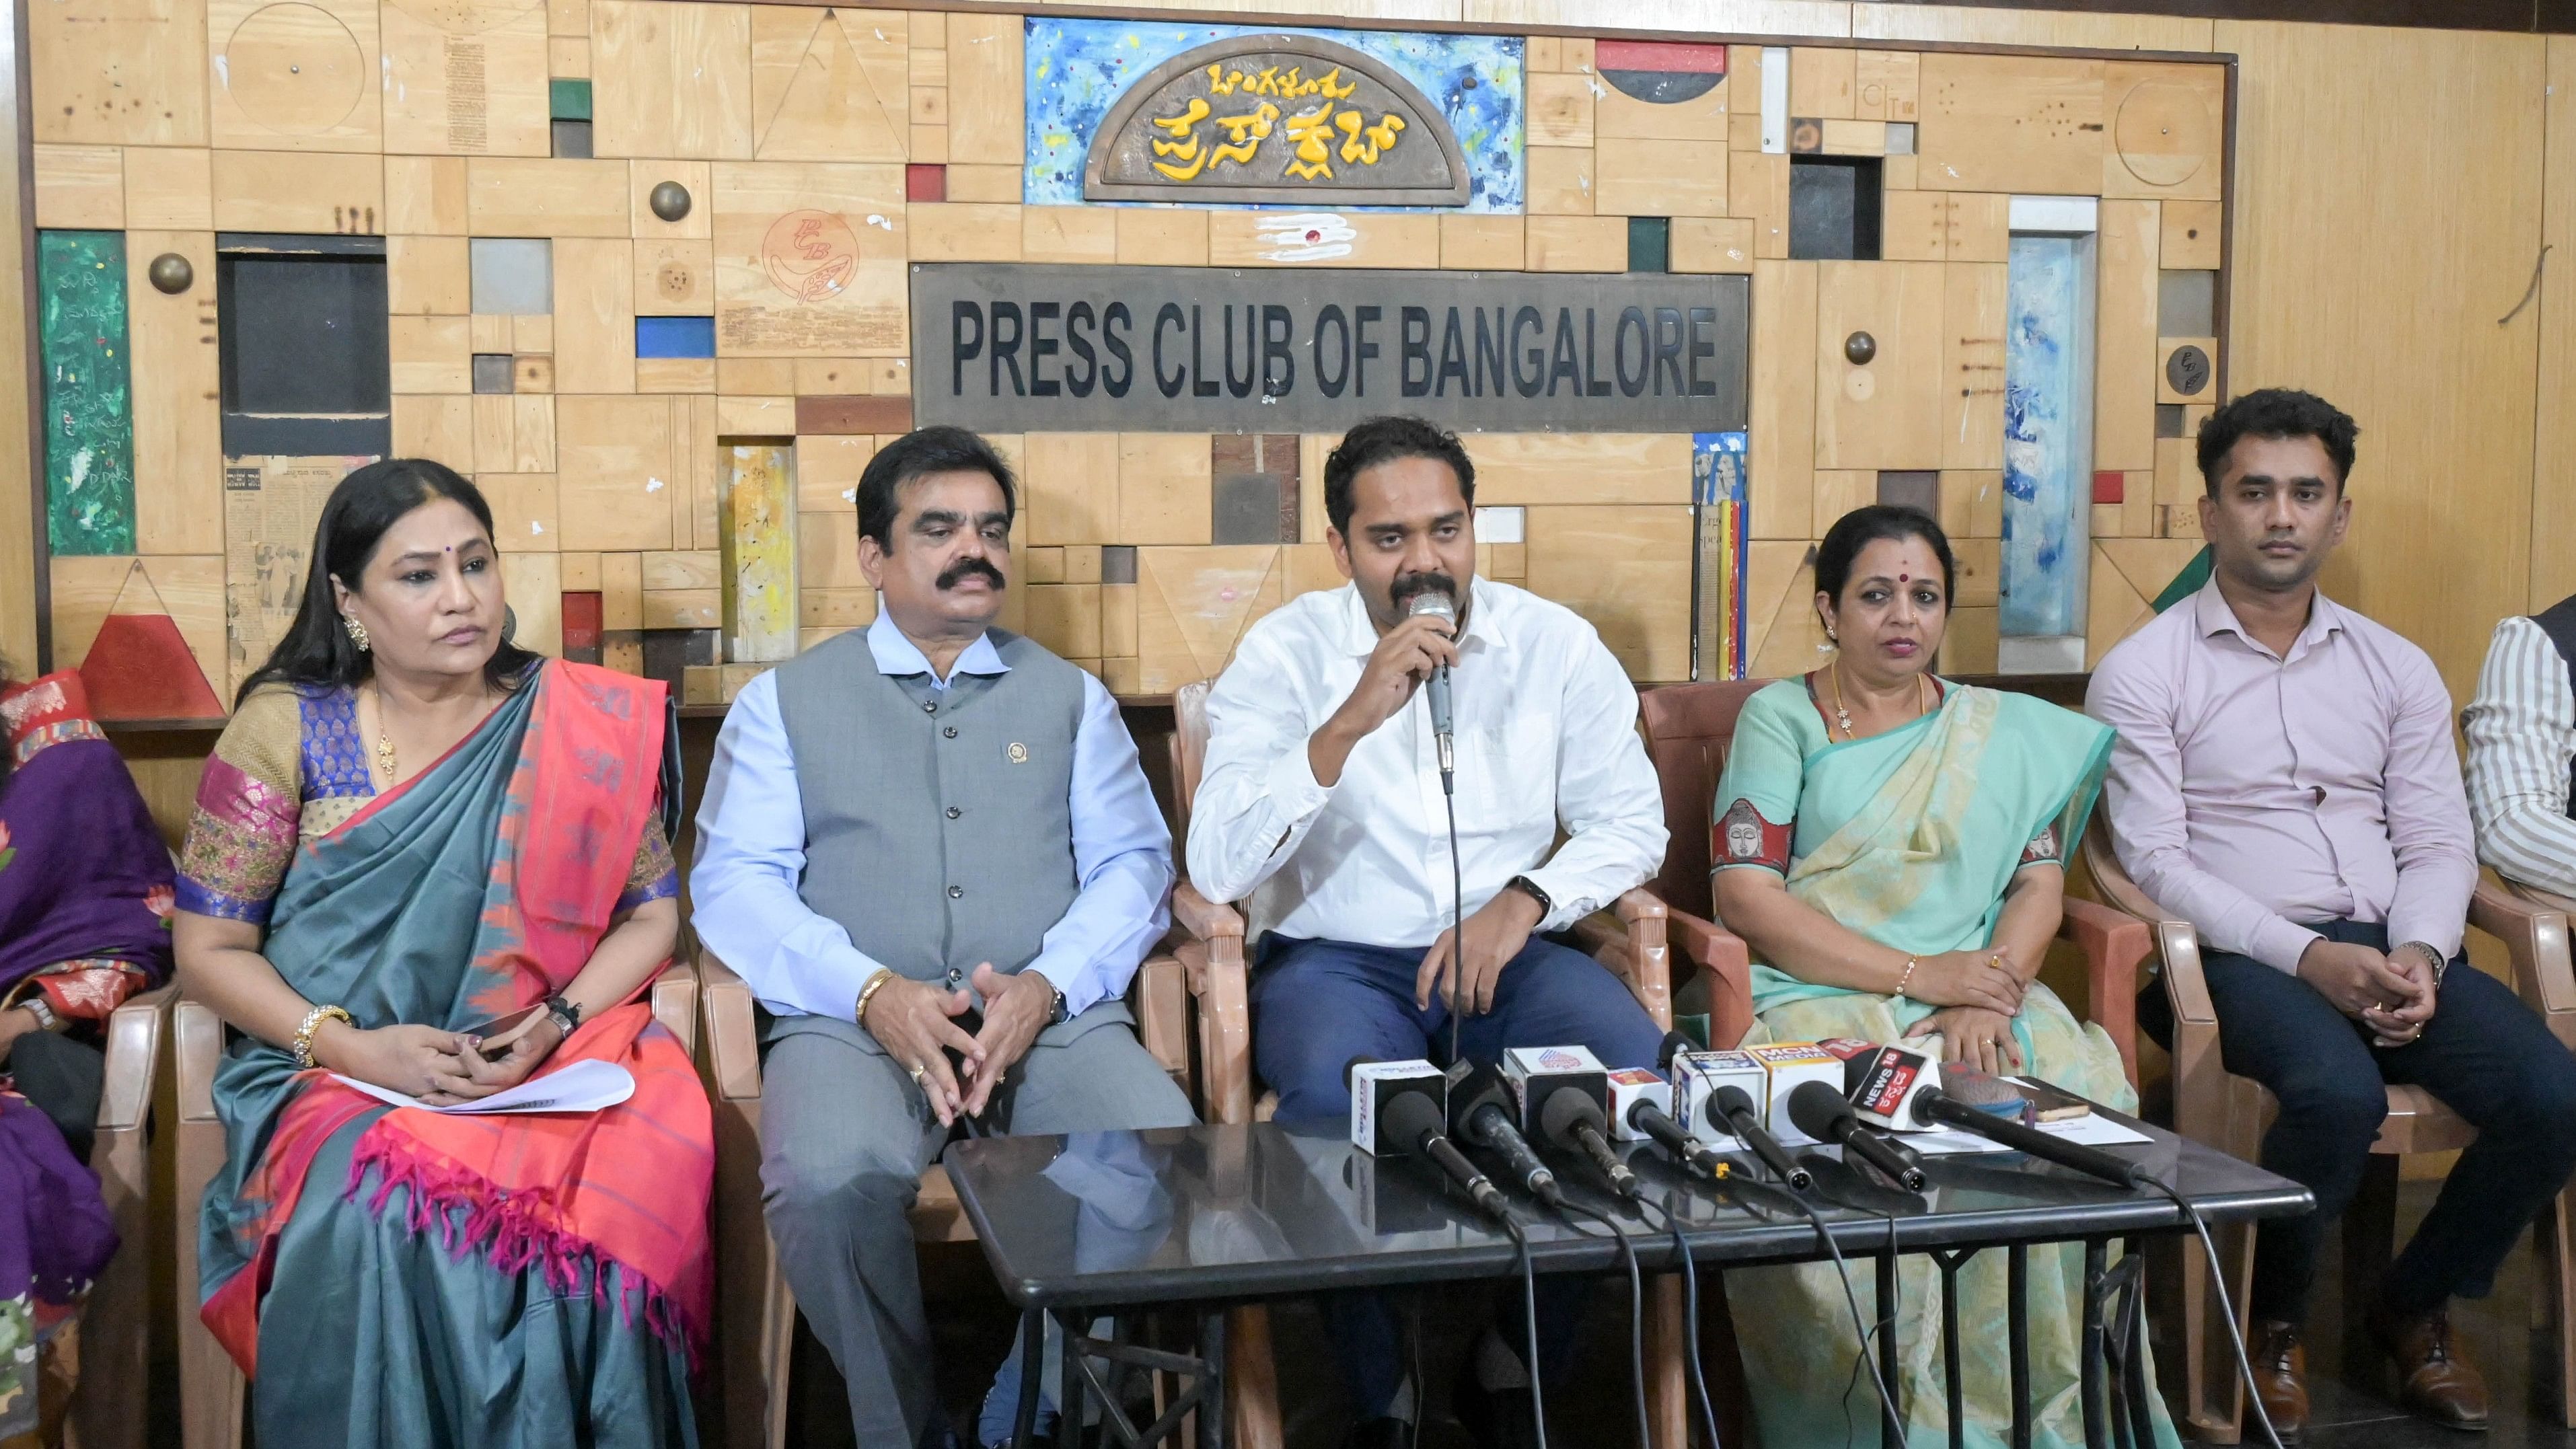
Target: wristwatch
(1529,888)
(1056,1013)
(2434,955)
(564,1014)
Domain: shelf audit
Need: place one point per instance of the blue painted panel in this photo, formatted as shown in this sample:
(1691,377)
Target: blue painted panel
(2048,434)
(675,337)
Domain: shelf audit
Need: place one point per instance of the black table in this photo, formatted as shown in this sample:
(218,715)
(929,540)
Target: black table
(1205,1218)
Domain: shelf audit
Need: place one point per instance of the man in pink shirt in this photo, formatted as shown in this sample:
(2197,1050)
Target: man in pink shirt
(2285,781)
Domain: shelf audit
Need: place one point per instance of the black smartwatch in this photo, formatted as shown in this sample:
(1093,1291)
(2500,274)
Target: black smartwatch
(564,1014)
(1529,888)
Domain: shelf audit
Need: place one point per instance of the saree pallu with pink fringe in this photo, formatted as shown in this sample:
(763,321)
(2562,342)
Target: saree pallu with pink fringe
(405,1278)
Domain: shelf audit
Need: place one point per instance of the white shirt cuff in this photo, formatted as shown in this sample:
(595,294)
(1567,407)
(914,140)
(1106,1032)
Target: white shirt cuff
(2279,943)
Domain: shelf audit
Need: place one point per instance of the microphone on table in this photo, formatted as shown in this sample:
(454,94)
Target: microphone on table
(1407,1119)
(1894,1087)
(1565,1098)
(1438,606)
(1480,1113)
(1709,1088)
(1375,1086)
(1821,1113)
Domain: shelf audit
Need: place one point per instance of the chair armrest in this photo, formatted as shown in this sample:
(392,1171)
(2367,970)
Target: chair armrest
(1212,967)
(2178,946)
(1729,964)
(1630,939)
(1205,920)
(197,1048)
(2535,938)
(133,1055)
(2113,943)
(1159,1000)
(674,995)
(733,1030)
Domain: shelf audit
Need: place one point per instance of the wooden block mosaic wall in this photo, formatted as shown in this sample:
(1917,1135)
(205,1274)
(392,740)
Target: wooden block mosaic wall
(644,269)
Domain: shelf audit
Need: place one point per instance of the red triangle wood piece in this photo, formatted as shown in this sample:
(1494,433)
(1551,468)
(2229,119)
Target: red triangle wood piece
(140,668)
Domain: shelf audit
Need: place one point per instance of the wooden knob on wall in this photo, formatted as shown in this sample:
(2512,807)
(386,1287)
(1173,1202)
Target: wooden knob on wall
(171,273)
(1860,347)
(670,201)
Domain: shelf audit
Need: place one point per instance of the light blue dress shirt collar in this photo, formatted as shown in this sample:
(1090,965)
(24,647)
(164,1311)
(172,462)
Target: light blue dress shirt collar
(899,656)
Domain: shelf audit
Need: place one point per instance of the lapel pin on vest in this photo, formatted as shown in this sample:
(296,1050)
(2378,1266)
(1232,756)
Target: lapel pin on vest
(1019,753)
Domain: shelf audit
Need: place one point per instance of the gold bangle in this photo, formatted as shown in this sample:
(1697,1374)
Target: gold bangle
(312,1022)
(1908,975)
(884,975)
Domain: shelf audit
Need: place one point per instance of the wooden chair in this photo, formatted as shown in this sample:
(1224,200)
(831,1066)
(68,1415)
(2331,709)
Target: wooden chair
(108,1407)
(210,1386)
(755,1311)
(2231,1113)
(1628,939)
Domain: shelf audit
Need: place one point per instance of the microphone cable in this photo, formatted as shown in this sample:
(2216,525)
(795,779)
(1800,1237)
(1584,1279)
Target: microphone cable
(1690,1314)
(2227,1309)
(1851,1299)
(1529,1309)
(1636,1315)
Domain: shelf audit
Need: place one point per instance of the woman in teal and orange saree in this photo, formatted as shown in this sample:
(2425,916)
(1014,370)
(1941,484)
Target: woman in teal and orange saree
(1892,847)
(414,836)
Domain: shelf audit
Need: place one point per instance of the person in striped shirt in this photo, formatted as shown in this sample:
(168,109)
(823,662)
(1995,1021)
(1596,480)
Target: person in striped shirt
(2521,729)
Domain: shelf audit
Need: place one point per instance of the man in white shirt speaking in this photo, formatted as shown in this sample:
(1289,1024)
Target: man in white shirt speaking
(1321,804)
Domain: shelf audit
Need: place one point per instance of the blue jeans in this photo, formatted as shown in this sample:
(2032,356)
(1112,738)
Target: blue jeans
(2484,1054)
(1317,1004)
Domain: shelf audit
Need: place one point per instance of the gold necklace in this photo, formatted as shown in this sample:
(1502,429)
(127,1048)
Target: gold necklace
(1842,716)
(384,740)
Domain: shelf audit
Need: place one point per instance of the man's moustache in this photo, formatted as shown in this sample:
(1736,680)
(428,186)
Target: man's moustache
(978,569)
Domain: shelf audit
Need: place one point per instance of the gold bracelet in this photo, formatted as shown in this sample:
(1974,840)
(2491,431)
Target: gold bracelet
(1910,964)
(312,1022)
(884,975)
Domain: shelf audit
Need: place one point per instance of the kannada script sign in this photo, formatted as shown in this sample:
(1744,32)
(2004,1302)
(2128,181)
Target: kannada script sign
(1010,348)
(1276,117)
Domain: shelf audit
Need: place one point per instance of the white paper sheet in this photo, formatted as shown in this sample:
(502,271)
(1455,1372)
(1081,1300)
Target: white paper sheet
(2090,1130)
(584,1086)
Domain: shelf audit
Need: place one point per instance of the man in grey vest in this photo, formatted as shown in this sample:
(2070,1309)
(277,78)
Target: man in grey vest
(929,849)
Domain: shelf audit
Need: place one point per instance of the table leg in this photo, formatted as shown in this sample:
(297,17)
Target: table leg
(1889,1369)
(1073,1397)
(2097,1417)
(1951,1376)
(1212,1380)
(2017,1331)
(2142,1423)
(1024,1422)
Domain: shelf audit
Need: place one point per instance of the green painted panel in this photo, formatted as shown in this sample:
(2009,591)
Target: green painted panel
(89,414)
(570,99)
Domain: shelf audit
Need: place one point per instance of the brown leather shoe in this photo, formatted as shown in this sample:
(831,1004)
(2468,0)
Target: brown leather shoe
(2280,1380)
(2432,1379)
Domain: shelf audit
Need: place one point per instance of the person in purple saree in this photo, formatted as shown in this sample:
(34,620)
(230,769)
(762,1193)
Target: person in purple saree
(85,901)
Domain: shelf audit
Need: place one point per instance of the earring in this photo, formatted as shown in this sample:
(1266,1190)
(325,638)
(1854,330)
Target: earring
(357,631)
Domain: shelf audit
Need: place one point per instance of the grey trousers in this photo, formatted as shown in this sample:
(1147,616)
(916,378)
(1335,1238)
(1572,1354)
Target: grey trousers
(845,1137)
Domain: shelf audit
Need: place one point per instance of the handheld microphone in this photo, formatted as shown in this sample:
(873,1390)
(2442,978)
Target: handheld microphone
(1731,1104)
(1936,1106)
(1480,1113)
(1568,1119)
(1884,1084)
(1821,1113)
(1413,1119)
(1438,605)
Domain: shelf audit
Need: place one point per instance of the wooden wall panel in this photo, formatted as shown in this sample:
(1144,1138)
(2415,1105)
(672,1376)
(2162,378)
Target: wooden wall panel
(118,72)
(2010,124)
(466,78)
(2167,130)
(1628,570)
(2553,497)
(985,64)
(299,77)
(1971,25)
(670,79)
(1527,468)
(2124,337)
(1971,389)
(594,316)
(1781,425)
(21,622)
(830,85)
(178,433)
(2384,318)
(1886,413)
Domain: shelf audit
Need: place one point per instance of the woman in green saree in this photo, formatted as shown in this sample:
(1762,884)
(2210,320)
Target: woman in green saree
(413,831)
(1892,847)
